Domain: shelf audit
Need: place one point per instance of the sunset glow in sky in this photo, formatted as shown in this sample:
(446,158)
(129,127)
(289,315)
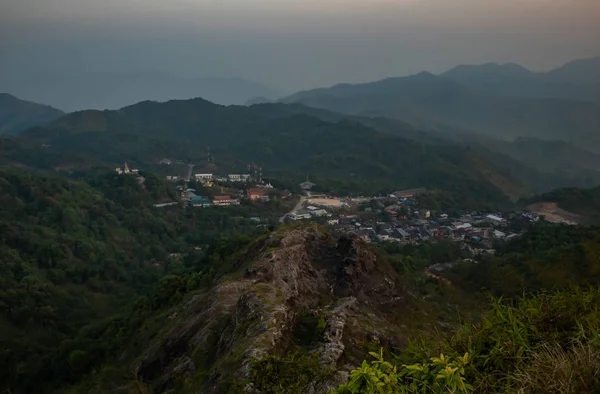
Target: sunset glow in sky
(292,44)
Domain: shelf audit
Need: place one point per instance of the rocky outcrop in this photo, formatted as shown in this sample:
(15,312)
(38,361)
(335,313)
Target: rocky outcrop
(253,313)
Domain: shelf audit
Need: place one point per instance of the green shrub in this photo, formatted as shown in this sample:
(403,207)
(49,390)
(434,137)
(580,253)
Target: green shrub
(297,373)
(547,343)
(441,375)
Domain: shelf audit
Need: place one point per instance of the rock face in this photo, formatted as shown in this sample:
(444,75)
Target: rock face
(254,313)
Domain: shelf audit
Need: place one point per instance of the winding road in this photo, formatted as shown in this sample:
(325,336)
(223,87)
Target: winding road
(297,207)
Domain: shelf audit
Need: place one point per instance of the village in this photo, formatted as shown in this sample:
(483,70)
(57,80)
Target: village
(396,217)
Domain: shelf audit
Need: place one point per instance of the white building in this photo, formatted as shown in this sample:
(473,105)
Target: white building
(495,219)
(126,170)
(204,177)
(463,226)
(239,177)
(320,213)
(499,234)
(299,215)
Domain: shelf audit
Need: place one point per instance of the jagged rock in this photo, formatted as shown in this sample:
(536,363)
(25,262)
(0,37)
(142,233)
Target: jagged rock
(248,316)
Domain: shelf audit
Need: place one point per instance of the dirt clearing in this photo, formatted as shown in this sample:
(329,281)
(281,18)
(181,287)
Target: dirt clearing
(554,213)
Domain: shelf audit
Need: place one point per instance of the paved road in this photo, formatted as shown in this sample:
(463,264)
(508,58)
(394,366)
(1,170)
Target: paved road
(297,207)
(190,170)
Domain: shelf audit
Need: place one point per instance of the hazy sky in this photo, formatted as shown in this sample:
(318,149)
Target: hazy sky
(291,44)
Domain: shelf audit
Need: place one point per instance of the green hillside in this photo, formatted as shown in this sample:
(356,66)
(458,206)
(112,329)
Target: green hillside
(101,290)
(76,254)
(223,338)
(18,115)
(541,164)
(346,154)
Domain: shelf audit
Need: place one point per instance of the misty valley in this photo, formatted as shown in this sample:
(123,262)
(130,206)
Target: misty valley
(202,232)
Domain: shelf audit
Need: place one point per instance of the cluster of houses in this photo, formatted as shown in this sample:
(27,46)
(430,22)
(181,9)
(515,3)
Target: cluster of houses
(396,218)
(309,212)
(478,228)
(258,193)
(210,177)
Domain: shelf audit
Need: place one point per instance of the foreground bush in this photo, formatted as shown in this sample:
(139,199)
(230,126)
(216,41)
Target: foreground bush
(548,343)
(441,375)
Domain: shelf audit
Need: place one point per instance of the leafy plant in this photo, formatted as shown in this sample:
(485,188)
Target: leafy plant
(442,374)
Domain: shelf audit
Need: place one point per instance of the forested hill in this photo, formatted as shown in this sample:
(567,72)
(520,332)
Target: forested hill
(305,306)
(286,145)
(17,115)
(74,254)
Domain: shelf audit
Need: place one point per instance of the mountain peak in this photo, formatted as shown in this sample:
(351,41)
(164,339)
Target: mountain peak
(488,69)
(17,115)
(7,96)
(260,310)
(425,74)
(583,71)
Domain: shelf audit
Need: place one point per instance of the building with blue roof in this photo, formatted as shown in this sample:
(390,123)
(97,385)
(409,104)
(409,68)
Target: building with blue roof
(201,202)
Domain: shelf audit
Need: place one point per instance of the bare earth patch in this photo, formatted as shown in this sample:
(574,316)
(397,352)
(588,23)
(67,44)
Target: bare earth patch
(554,213)
(325,202)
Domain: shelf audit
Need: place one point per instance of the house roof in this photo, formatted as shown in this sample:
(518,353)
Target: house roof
(463,226)
(256,191)
(409,192)
(494,217)
(307,185)
(200,200)
(222,198)
(402,232)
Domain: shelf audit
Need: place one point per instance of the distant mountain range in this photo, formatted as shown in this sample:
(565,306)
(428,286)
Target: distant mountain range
(81,91)
(540,164)
(501,101)
(577,80)
(17,115)
(422,130)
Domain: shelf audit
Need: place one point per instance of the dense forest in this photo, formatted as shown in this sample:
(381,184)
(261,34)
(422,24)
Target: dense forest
(75,253)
